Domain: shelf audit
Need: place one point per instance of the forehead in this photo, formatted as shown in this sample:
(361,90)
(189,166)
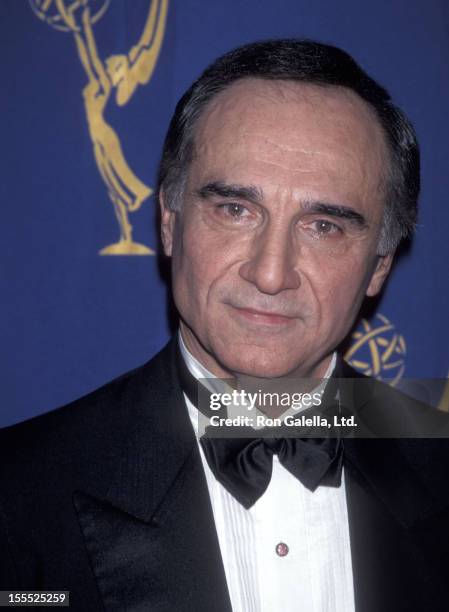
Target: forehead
(295,133)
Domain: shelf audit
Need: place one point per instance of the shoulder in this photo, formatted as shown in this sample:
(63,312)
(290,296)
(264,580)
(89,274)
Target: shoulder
(387,411)
(80,447)
(65,439)
(402,446)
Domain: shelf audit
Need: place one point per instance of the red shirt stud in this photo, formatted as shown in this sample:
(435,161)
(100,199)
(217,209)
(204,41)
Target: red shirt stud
(281,549)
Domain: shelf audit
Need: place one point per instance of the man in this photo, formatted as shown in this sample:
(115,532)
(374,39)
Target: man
(287,181)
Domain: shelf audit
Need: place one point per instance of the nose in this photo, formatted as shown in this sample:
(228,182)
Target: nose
(271,263)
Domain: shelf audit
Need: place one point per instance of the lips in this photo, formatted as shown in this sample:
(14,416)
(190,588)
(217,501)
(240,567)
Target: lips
(264,317)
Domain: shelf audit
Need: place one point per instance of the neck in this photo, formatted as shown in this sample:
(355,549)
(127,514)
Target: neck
(205,358)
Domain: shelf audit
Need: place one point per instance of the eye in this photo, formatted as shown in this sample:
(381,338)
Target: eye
(325,228)
(234,210)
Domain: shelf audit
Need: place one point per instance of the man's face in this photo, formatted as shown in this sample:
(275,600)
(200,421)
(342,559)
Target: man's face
(274,248)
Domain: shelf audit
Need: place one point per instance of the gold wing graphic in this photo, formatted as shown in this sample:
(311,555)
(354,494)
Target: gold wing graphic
(122,73)
(137,67)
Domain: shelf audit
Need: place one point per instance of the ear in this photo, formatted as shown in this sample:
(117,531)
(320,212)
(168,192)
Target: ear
(167,225)
(381,271)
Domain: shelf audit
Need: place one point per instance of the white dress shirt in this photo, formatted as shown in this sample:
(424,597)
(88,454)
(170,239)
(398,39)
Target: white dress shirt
(315,575)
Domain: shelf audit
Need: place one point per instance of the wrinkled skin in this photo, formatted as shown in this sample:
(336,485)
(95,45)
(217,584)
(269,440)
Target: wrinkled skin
(266,281)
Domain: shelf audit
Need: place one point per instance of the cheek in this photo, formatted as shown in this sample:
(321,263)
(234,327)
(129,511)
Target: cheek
(208,253)
(198,262)
(339,287)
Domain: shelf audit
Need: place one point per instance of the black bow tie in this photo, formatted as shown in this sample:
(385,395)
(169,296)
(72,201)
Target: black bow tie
(243,465)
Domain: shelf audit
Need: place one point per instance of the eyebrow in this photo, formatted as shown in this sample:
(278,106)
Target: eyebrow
(254,194)
(337,210)
(224,190)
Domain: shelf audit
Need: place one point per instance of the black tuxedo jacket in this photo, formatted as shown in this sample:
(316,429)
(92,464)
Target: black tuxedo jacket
(107,498)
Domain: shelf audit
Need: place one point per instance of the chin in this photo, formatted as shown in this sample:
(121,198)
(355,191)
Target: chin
(259,366)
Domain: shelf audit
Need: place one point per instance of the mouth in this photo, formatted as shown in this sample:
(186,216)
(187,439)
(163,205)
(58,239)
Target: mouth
(264,317)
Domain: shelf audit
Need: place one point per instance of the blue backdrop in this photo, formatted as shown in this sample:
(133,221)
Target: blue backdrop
(79,155)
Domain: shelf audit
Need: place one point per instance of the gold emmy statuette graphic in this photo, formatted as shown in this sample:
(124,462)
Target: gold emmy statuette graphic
(120,74)
(378,350)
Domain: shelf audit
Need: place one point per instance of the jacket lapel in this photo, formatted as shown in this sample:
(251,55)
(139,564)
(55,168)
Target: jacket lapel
(151,537)
(399,538)
(397,507)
